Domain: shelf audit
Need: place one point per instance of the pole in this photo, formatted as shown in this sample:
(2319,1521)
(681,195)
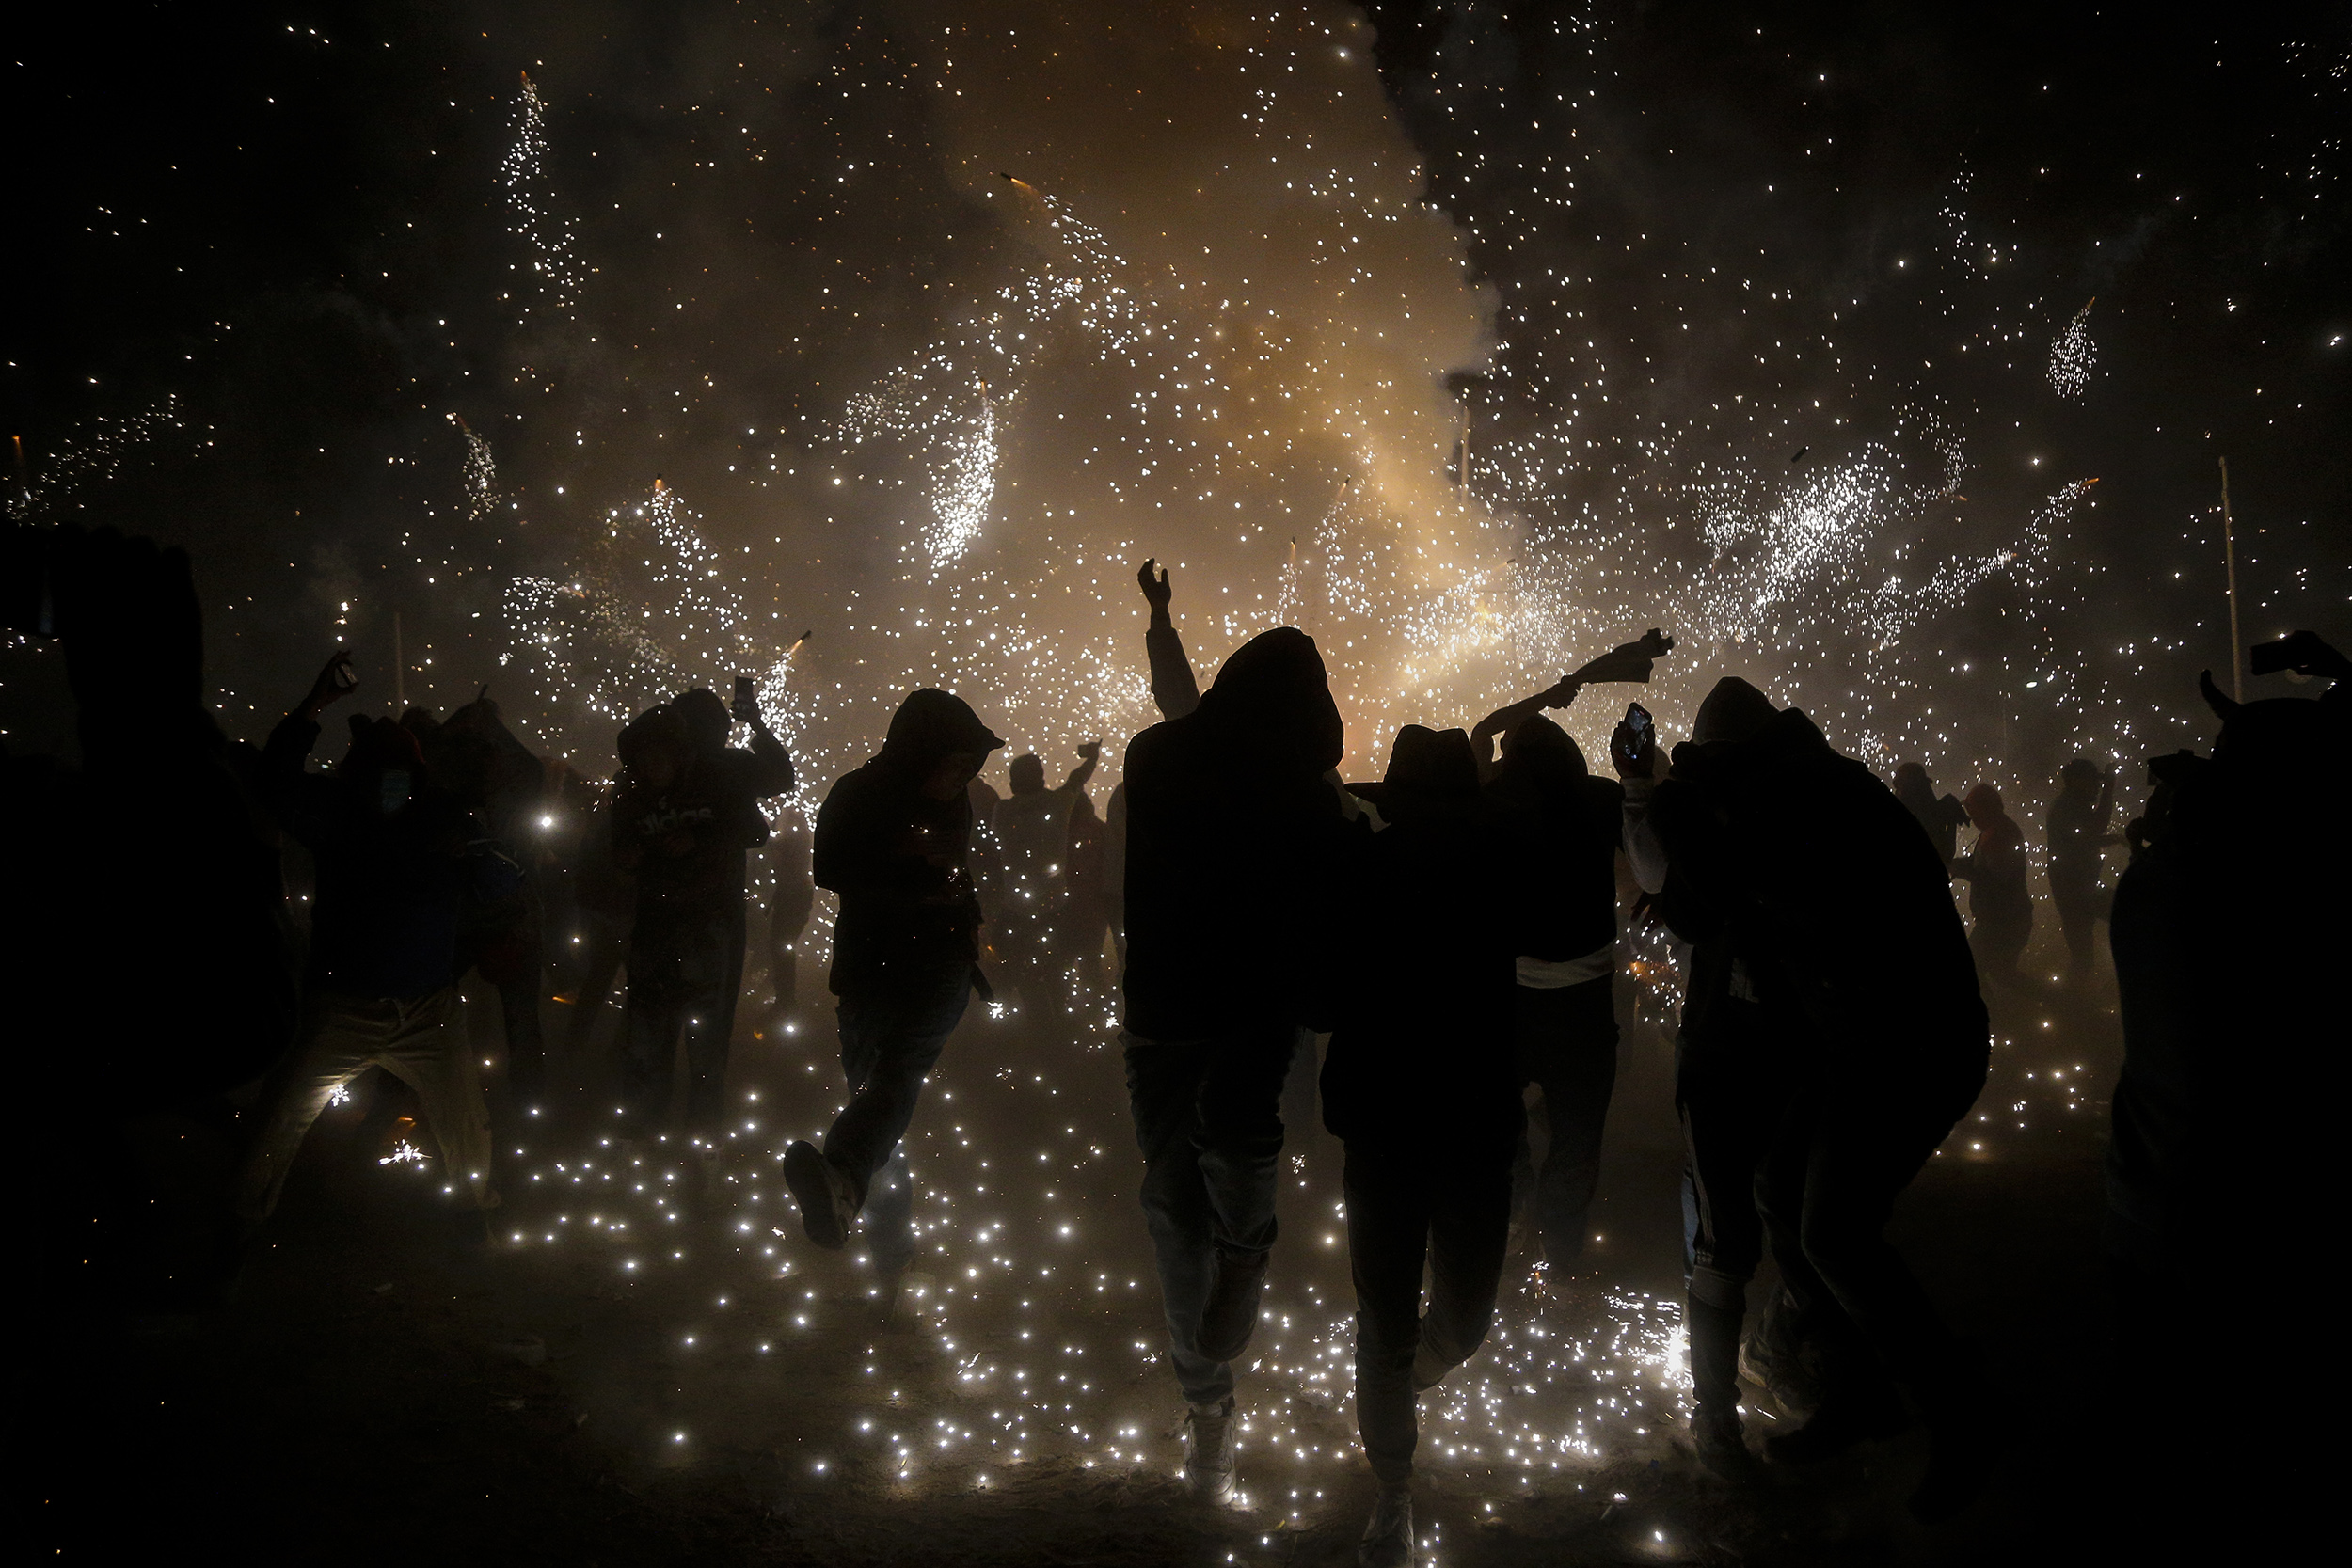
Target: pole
(2229,562)
(400,670)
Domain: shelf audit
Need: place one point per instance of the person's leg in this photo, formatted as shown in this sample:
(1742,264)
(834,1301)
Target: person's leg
(427,1049)
(604,942)
(1388,1237)
(1163,1091)
(1577,1065)
(654,1014)
(526,1044)
(889,1044)
(1470,1230)
(712,972)
(337,1043)
(1239,1149)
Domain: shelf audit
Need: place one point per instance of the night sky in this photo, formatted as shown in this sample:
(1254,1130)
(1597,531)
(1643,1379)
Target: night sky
(935,416)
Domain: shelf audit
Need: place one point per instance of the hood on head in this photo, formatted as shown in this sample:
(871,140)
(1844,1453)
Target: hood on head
(1027,774)
(1274,695)
(1733,711)
(1982,803)
(1429,770)
(1543,751)
(704,717)
(930,724)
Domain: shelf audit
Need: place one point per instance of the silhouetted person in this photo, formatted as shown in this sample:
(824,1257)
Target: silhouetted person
(1995,870)
(149,965)
(1031,831)
(1230,825)
(397,860)
(2229,933)
(1940,816)
(685,835)
(1086,907)
(1827,876)
(1422,1086)
(477,758)
(604,904)
(790,902)
(1564,1021)
(893,839)
(1740,1050)
(2077,833)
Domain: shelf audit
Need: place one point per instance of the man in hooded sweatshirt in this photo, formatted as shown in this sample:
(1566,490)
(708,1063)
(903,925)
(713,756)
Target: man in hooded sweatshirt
(686,842)
(1817,871)
(1230,834)
(1422,1086)
(894,840)
(397,859)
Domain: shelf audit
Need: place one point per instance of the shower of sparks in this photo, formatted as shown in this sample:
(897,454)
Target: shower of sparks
(2073,357)
(555,281)
(89,459)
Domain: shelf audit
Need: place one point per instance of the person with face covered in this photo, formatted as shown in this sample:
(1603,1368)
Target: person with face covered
(1817,870)
(1422,1085)
(684,815)
(894,840)
(397,859)
(1230,831)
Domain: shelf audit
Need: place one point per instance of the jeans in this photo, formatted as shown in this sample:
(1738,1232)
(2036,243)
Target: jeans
(1565,1040)
(1207,1115)
(890,1041)
(1407,1204)
(1845,1151)
(684,977)
(421,1041)
(1732,1087)
(2081,902)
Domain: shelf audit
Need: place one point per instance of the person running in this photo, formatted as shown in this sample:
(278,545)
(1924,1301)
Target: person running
(1230,826)
(1031,832)
(894,840)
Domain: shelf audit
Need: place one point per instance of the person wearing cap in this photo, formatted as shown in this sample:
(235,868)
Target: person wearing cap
(397,857)
(894,840)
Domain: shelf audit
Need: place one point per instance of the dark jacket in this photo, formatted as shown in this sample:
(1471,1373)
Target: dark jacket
(390,886)
(688,840)
(898,858)
(1231,831)
(1809,862)
(1574,824)
(1435,910)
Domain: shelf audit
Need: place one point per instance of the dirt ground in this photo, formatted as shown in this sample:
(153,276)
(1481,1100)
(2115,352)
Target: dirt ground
(645,1369)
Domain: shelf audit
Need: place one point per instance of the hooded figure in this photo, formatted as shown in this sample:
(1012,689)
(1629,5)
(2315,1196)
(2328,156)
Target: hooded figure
(1231,841)
(1939,814)
(1421,1079)
(893,839)
(1994,871)
(1820,882)
(477,758)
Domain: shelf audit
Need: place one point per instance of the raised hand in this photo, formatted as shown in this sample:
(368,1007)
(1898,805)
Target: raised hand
(1634,753)
(1631,661)
(335,682)
(1156,592)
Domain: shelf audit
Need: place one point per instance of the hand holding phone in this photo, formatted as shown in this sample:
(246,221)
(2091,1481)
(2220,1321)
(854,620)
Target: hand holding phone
(746,700)
(1633,748)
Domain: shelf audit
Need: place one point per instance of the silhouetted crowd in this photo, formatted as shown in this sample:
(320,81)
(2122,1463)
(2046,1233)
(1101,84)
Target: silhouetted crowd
(1434,944)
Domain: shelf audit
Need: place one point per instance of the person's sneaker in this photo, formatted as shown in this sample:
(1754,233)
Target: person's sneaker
(1722,1448)
(1231,1316)
(821,1188)
(1388,1538)
(1209,1452)
(1843,1421)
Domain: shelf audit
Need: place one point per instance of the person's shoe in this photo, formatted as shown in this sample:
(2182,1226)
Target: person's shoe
(1209,1452)
(1231,1316)
(1722,1448)
(821,1188)
(1845,1419)
(1388,1538)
